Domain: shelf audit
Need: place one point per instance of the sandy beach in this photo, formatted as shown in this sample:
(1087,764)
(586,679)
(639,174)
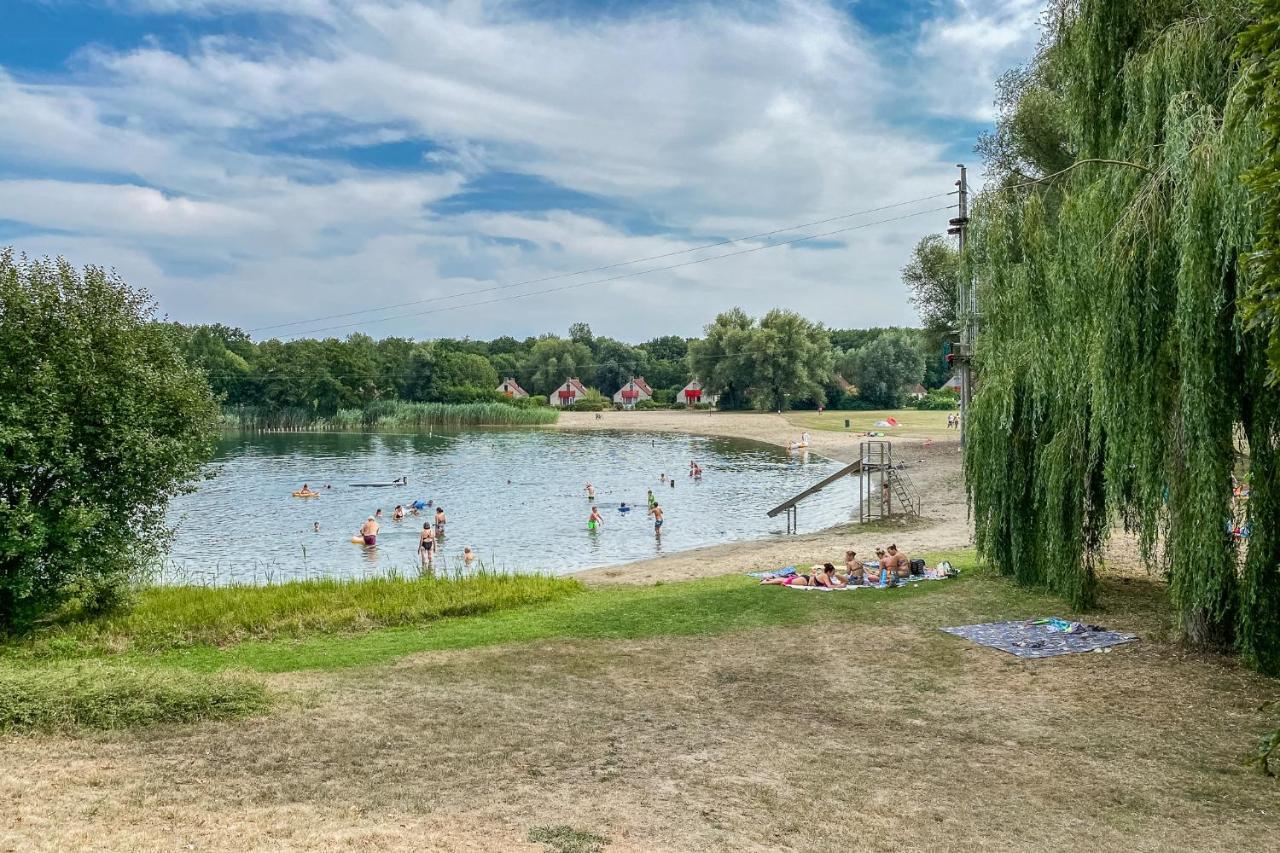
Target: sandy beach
(933,461)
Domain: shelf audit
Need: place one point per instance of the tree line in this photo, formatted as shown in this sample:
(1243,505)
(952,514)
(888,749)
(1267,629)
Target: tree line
(781,360)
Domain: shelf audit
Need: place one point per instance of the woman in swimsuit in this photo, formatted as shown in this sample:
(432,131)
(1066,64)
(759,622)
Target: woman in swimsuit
(828,577)
(788,580)
(854,573)
(398,513)
(426,544)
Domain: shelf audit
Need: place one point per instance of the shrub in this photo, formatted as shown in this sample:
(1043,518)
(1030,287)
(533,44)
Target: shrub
(648,405)
(854,403)
(937,401)
(92,694)
(102,421)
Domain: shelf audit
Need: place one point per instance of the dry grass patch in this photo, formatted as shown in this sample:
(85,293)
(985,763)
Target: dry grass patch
(851,733)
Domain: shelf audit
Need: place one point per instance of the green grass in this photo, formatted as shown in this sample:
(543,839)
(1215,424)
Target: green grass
(66,696)
(689,608)
(168,617)
(911,422)
(566,839)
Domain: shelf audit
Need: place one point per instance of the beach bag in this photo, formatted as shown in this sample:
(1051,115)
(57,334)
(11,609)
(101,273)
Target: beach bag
(917,567)
(947,570)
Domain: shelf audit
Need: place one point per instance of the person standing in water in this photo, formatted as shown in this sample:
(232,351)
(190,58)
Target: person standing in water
(398,513)
(440,520)
(369,532)
(656,512)
(426,545)
(468,556)
(662,478)
(591,492)
(652,499)
(595,521)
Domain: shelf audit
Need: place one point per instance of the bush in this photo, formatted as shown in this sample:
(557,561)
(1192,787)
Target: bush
(93,694)
(648,405)
(394,414)
(854,403)
(102,421)
(937,401)
(592,401)
(664,396)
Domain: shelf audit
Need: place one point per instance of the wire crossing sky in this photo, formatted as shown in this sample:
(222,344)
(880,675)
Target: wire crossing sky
(280,163)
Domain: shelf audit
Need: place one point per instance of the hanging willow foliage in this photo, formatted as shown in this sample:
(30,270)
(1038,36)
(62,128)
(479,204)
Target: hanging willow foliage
(1114,369)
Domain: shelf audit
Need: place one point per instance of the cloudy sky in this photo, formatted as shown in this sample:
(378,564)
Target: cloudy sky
(270,162)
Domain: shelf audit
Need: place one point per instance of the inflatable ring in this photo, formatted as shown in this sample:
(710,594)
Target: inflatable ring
(357,540)
(306,494)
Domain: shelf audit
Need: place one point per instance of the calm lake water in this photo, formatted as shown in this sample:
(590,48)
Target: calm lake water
(515,496)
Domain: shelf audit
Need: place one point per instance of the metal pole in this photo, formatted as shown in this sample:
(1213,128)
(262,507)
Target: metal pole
(967,307)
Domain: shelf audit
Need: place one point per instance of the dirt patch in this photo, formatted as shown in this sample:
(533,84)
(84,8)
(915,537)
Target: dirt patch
(828,737)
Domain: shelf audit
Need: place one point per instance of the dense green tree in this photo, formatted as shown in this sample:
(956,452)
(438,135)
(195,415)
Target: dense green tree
(615,363)
(932,276)
(553,360)
(668,362)
(791,361)
(722,360)
(884,368)
(103,420)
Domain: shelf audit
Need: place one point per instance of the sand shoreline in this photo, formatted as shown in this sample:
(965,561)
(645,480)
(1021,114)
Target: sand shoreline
(934,463)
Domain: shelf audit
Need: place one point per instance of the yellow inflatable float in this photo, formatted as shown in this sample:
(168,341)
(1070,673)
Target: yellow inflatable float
(306,494)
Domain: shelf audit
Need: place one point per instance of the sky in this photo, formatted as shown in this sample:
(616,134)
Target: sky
(289,166)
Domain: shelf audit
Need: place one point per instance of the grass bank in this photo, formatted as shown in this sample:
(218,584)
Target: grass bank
(913,423)
(170,617)
(389,414)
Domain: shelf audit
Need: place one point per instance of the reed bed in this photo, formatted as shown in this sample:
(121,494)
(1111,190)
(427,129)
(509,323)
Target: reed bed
(387,414)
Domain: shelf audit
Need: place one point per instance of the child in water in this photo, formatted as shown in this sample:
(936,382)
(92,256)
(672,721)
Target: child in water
(595,520)
(468,556)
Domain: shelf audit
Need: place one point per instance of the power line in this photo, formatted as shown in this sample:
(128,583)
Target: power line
(623,275)
(600,268)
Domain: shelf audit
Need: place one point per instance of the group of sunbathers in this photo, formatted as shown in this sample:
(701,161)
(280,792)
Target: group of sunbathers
(889,566)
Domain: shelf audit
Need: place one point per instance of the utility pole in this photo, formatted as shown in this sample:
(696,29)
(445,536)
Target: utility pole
(967,307)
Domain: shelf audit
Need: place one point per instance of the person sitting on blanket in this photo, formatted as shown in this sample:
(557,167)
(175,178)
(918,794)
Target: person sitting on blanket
(898,563)
(827,577)
(795,579)
(854,571)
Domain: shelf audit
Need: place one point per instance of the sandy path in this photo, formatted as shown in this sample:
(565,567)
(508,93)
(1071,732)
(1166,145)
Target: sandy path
(934,464)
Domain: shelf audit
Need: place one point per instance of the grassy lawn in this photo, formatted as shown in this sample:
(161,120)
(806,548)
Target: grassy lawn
(712,714)
(911,422)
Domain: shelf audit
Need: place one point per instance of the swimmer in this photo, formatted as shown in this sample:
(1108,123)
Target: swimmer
(591,492)
(595,520)
(316,527)
(378,514)
(398,513)
(662,478)
(467,556)
(369,531)
(623,507)
(440,520)
(656,512)
(426,544)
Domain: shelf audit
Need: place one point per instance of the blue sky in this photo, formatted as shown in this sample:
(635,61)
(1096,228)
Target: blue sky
(259,162)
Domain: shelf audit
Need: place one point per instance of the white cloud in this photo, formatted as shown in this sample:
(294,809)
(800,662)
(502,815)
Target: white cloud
(718,119)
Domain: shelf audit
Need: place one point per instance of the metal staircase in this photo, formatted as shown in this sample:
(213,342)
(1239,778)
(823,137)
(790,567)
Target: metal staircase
(905,490)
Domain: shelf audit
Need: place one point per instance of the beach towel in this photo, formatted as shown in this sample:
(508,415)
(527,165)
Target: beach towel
(1041,638)
(786,571)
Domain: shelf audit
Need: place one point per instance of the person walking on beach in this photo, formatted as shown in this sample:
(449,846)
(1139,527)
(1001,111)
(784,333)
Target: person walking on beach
(426,545)
(656,512)
(440,520)
(369,532)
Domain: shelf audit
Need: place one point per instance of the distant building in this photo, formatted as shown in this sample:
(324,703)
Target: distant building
(952,385)
(916,392)
(512,389)
(694,393)
(569,393)
(633,392)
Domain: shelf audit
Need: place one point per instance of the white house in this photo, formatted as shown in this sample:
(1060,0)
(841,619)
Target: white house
(569,393)
(512,389)
(915,392)
(952,385)
(633,392)
(694,393)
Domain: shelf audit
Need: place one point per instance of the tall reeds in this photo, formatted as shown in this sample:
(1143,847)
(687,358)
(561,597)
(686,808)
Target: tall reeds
(386,414)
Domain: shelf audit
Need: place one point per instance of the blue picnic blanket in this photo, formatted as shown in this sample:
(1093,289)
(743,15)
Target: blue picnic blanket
(776,573)
(1040,638)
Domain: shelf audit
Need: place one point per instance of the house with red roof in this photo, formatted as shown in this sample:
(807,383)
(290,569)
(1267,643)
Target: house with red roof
(512,389)
(695,393)
(569,393)
(633,392)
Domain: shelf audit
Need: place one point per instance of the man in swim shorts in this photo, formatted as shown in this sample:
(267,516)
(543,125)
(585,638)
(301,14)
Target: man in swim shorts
(656,512)
(440,520)
(370,532)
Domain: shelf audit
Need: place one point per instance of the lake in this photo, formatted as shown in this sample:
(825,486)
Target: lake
(516,497)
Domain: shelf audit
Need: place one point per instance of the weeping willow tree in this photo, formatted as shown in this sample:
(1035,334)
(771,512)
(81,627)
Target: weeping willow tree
(1118,380)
